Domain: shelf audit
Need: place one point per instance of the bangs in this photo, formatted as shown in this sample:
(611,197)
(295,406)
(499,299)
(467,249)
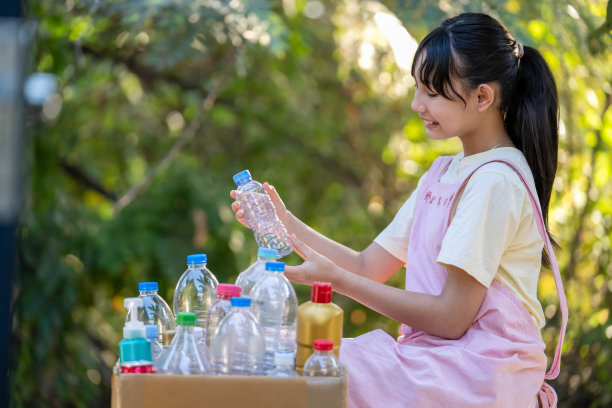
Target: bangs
(437,65)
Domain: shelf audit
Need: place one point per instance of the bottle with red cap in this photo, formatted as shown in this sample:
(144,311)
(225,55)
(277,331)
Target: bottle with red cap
(318,318)
(322,362)
(219,308)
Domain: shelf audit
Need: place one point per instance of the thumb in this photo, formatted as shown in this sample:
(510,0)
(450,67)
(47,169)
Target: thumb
(271,192)
(300,248)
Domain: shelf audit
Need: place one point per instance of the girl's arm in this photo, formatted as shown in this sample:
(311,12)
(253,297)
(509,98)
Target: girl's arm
(373,263)
(447,315)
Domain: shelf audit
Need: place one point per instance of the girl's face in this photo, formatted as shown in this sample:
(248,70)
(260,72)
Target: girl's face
(444,118)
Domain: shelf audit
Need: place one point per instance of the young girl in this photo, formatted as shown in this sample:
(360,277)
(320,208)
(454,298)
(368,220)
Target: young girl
(471,236)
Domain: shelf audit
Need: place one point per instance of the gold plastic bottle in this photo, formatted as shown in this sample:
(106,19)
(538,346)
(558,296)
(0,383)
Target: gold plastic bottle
(318,318)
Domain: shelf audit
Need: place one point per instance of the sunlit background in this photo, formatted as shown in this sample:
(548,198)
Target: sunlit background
(157,104)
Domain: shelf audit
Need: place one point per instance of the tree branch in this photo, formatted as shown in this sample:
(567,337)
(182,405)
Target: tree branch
(191,130)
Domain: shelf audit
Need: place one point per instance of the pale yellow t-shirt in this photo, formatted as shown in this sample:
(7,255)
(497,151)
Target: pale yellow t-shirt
(493,234)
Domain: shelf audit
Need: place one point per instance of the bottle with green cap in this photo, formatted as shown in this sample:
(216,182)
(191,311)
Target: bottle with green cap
(135,349)
(186,356)
(254,273)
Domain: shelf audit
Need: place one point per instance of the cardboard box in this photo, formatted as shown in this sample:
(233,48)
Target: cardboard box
(168,391)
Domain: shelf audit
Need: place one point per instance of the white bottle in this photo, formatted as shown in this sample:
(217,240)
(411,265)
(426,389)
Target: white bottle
(260,214)
(275,308)
(253,274)
(284,362)
(322,362)
(196,289)
(238,346)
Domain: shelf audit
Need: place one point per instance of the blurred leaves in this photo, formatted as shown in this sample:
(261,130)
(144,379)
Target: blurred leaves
(316,100)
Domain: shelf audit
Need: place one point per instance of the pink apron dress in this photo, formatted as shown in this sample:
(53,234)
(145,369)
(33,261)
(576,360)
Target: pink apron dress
(499,361)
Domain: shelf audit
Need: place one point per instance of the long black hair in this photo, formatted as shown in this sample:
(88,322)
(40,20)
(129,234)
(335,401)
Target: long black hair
(475,49)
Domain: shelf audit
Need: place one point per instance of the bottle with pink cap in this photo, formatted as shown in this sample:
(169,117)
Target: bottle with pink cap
(219,308)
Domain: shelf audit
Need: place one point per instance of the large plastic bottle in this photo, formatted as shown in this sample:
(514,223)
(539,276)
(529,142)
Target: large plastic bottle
(318,318)
(253,274)
(155,311)
(185,355)
(196,289)
(284,361)
(260,214)
(322,362)
(275,308)
(238,346)
(134,349)
(219,308)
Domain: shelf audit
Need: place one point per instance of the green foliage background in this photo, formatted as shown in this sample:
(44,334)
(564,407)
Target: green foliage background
(160,102)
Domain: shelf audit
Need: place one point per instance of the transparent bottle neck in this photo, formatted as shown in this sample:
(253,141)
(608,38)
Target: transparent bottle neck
(148,292)
(197,266)
(224,297)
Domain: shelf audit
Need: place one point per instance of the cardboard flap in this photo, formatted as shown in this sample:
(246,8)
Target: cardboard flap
(164,391)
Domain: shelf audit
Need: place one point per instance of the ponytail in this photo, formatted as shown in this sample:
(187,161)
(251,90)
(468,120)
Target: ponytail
(531,120)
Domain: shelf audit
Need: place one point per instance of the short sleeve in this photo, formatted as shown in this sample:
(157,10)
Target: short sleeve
(486,220)
(394,238)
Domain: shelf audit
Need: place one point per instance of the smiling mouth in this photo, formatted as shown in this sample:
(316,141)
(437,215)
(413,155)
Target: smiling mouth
(430,122)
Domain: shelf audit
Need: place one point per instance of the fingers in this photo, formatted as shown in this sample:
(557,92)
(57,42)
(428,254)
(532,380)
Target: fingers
(233,194)
(271,191)
(300,248)
(235,206)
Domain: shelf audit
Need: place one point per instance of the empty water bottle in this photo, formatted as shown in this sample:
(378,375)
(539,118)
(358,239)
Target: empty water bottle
(260,214)
(275,308)
(322,362)
(219,308)
(238,346)
(155,311)
(185,355)
(134,349)
(253,274)
(284,361)
(195,290)
(156,348)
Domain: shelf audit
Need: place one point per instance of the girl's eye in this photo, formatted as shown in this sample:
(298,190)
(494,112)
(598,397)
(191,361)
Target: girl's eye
(431,94)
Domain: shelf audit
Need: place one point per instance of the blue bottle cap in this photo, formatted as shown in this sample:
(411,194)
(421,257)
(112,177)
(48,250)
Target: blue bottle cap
(196,259)
(241,302)
(267,252)
(275,266)
(151,331)
(135,350)
(147,286)
(242,177)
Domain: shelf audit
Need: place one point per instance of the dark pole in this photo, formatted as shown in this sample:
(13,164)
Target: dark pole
(11,182)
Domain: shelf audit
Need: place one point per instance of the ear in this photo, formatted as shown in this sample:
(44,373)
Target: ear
(485,96)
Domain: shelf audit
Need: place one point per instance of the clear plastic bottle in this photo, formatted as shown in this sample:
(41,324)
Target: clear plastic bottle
(156,348)
(238,346)
(260,214)
(185,355)
(155,311)
(284,361)
(275,308)
(322,362)
(219,308)
(253,274)
(134,350)
(195,290)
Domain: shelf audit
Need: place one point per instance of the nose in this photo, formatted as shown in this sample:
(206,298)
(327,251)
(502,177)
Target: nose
(416,104)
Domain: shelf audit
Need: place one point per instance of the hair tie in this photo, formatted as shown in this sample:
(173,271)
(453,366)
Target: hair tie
(521,51)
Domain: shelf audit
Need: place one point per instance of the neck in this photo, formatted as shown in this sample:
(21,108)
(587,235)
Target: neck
(488,133)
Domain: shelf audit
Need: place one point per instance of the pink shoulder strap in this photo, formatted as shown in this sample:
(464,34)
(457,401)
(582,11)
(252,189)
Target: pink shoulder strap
(546,393)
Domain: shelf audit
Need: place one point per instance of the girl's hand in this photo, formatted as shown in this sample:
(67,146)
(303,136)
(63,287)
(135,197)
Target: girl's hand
(281,210)
(315,267)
